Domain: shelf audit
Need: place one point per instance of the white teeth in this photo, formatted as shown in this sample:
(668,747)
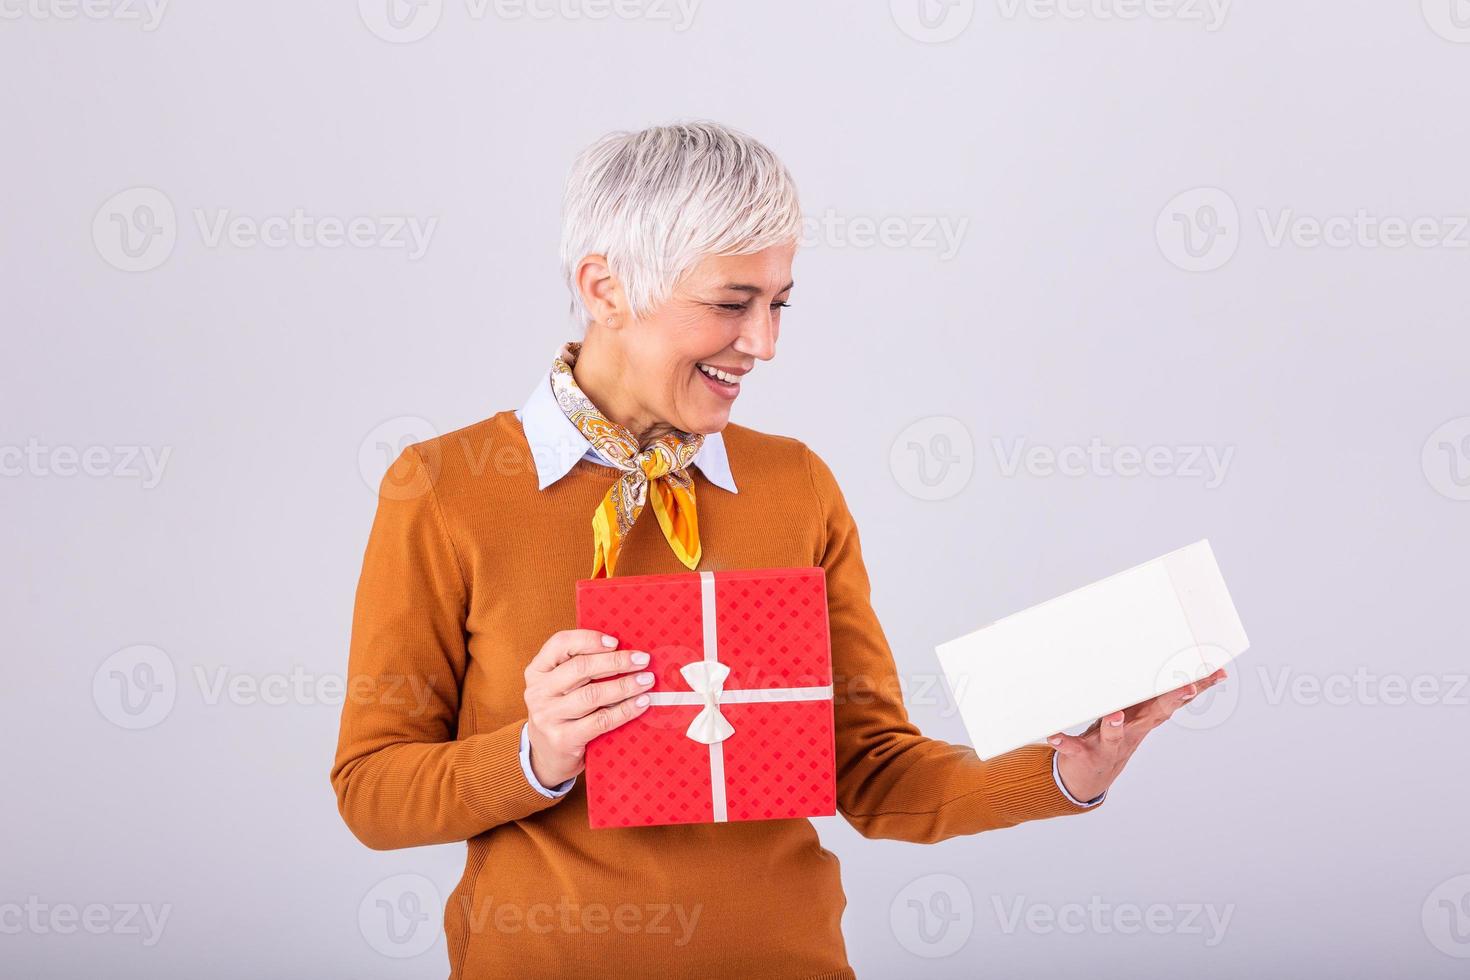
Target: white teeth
(717,373)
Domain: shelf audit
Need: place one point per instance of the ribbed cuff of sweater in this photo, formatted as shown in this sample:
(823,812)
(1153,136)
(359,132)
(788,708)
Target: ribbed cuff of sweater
(494,783)
(1023,786)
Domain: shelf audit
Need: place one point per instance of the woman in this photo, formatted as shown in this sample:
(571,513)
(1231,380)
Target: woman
(677,248)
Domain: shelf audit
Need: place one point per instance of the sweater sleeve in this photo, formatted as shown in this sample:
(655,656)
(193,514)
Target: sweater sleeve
(402,776)
(893,782)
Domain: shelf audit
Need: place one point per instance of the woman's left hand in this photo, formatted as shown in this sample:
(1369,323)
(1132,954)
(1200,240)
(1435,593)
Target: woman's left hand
(1090,762)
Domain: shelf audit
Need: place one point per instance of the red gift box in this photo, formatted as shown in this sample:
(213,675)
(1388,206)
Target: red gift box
(740,727)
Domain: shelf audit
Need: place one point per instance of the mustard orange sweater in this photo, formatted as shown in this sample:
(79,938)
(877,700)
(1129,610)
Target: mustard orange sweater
(469,568)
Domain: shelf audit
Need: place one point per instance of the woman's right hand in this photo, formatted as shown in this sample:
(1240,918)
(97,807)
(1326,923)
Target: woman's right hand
(574,693)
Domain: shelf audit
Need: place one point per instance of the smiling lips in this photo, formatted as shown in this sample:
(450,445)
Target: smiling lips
(725,383)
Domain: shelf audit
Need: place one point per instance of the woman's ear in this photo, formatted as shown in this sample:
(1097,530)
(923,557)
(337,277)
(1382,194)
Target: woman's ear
(601,291)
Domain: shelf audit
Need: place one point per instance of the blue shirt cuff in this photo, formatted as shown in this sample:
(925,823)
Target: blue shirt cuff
(560,790)
(1056,774)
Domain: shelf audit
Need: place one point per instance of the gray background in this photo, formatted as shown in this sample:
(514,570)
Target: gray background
(1325,818)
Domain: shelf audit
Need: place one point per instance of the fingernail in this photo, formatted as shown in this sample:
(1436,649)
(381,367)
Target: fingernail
(609,641)
(1186,697)
(640,658)
(644,678)
(1116,722)
(1055,741)
(641,700)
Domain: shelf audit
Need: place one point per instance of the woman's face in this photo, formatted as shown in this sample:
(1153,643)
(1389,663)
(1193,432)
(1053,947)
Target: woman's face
(725,314)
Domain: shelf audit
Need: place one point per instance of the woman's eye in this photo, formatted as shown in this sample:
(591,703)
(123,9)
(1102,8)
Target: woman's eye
(742,307)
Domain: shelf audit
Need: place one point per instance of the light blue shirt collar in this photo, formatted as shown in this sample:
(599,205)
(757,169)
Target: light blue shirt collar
(557,444)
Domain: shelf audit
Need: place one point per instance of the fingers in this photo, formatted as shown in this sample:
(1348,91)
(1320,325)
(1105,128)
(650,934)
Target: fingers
(584,668)
(1160,709)
(566,644)
(1187,691)
(608,717)
(1110,729)
(1066,744)
(594,695)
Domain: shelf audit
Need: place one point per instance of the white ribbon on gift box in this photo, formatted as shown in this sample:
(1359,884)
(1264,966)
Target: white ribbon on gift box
(706,680)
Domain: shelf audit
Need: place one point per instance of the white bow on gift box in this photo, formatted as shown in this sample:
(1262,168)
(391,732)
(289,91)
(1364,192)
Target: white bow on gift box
(707,679)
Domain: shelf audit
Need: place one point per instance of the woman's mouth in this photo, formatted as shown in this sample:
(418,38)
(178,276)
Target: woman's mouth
(717,381)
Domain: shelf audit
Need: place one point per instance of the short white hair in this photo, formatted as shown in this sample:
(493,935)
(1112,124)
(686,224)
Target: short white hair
(657,200)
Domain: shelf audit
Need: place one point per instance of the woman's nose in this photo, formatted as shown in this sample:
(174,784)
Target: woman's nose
(759,338)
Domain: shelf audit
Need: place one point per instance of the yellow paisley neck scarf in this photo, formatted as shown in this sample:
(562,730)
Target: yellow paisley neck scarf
(662,466)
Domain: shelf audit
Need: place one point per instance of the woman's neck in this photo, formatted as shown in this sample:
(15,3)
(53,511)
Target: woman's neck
(601,372)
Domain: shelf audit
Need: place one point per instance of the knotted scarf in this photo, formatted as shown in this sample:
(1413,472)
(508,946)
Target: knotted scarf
(661,466)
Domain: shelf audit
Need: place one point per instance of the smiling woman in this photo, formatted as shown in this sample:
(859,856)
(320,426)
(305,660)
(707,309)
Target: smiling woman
(677,250)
